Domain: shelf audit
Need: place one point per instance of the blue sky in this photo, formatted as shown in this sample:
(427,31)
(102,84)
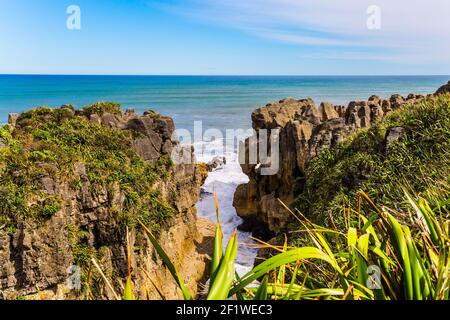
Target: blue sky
(254,37)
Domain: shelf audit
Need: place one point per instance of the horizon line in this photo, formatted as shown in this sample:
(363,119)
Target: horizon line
(225,75)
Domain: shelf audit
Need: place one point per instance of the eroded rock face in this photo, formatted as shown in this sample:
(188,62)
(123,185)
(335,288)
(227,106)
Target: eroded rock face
(36,260)
(305,130)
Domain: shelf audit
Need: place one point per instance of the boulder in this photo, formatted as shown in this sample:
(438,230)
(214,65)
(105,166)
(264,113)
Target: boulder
(444,89)
(216,163)
(396,101)
(12,119)
(392,136)
(327,111)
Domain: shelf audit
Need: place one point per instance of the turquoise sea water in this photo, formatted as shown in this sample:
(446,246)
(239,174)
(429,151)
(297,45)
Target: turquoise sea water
(221,102)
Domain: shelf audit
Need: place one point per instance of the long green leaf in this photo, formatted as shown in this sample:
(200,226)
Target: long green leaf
(218,243)
(402,248)
(363,245)
(223,281)
(352,238)
(423,215)
(217,253)
(128,293)
(273,289)
(165,258)
(282,272)
(284,258)
(261,294)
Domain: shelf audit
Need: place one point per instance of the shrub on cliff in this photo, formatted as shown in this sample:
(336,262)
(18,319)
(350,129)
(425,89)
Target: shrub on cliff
(102,107)
(410,148)
(375,257)
(46,146)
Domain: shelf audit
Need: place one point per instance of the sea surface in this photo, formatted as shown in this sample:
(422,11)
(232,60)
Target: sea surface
(219,102)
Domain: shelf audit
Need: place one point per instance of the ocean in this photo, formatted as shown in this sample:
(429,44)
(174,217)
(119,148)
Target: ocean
(220,102)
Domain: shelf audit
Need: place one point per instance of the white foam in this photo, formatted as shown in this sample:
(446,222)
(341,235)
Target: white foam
(225,181)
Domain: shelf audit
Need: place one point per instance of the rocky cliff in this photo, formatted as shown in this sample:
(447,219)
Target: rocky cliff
(72,181)
(305,130)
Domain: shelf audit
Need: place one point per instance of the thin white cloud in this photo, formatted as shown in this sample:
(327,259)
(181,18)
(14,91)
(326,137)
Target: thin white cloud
(411,30)
(409,59)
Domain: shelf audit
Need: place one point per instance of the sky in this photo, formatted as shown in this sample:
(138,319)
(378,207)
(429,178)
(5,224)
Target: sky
(226,37)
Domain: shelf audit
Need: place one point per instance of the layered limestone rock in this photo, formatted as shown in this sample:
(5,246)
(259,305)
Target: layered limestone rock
(37,258)
(304,131)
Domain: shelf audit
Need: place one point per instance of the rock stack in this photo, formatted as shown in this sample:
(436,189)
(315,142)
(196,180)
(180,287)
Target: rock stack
(305,130)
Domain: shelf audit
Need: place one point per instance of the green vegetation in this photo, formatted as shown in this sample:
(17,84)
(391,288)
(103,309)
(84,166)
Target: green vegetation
(80,249)
(346,244)
(419,161)
(377,258)
(53,144)
(391,243)
(152,114)
(102,107)
(222,266)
